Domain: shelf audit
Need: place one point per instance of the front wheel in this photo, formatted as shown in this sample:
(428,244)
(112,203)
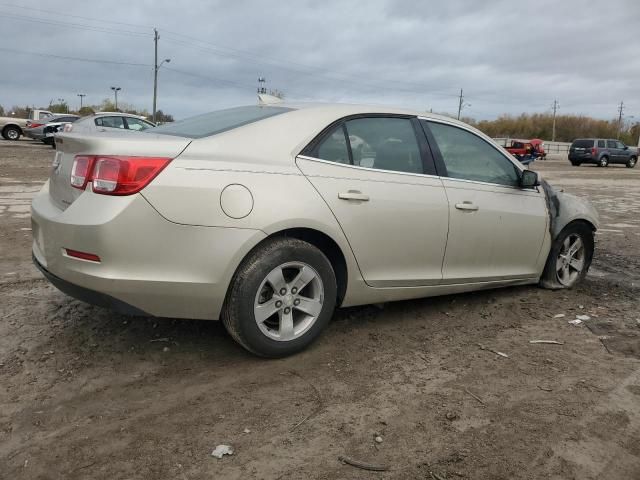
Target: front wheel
(570,257)
(575,163)
(281,298)
(631,162)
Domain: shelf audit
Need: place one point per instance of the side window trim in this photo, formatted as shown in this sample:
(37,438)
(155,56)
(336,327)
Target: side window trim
(348,142)
(429,167)
(440,165)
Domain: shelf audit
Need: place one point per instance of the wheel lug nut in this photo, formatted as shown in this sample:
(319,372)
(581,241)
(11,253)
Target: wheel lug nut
(296,302)
(278,304)
(283,291)
(294,290)
(287,310)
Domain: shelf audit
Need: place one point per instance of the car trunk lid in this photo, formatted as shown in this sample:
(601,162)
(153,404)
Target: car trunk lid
(133,144)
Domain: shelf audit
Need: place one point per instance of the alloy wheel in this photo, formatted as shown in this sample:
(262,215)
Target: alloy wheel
(12,134)
(288,301)
(571,260)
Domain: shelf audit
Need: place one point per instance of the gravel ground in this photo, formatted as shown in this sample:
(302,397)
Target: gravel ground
(91,394)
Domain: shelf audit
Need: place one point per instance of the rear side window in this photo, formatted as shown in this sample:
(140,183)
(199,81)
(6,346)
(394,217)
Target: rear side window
(334,147)
(110,122)
(219,121)
(385,144)
(582,144)
(600,143)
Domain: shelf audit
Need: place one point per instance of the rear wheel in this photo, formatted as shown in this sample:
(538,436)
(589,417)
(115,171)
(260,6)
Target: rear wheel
(632,162)
(569,258)
(603,162)
(281,298)
(576,163)
(11,133)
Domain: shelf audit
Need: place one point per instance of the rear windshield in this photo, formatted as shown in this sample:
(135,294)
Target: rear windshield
(219,121)
(582,144)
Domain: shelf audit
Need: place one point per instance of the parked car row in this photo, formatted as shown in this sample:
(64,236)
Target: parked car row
(602,152)
(12,128)
(44,126)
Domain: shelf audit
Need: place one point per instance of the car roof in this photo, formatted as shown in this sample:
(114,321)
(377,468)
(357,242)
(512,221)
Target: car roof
(302,122)
(118,114)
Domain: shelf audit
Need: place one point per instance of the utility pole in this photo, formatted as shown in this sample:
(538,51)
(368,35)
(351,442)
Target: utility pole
(460,104)
(81,95)
(555,109)
(620,112)
(156,37)
(115,91)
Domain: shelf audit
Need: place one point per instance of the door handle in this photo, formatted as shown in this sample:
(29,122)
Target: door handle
(468,206)
(354,195)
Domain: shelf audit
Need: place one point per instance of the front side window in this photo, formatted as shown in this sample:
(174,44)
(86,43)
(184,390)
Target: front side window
(137,124)
(384,143)
(469,157)
(611,144)
(620,145)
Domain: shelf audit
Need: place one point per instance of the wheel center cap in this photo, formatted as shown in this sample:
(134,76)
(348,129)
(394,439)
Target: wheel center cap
(288,300)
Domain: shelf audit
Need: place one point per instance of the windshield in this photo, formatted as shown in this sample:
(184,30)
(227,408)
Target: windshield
(219,121)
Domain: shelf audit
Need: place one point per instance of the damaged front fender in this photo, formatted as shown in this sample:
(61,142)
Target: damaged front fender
(565,208)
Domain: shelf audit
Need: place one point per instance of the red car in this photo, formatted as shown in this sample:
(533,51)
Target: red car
(526,150)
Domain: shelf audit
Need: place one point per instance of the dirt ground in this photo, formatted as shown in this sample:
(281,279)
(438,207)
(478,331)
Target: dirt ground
(88,394)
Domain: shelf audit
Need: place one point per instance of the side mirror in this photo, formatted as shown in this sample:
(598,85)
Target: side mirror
(529,179)
(625,147)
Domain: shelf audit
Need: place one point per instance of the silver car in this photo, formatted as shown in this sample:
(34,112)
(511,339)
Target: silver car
(268,217)
(110,121)
(37,130)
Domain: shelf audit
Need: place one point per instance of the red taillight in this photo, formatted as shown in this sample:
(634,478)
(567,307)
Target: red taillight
(594,151)
(92,257)
(81,171)
(34,125)
(115,175)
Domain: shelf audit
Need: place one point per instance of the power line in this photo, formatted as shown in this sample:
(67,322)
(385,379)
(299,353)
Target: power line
(91,28)
(78,59)
(51,12)
(213,79)
(299,68)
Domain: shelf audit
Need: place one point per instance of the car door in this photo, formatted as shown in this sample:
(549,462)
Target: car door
(496,229)
(377,177)
(622,152)
(614,153)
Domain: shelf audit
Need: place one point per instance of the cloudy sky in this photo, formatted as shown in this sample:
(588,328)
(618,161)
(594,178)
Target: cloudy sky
(509,56)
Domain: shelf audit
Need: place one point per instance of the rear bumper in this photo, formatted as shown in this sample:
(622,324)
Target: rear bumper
(148,265)
(87,295)
(33,135)
(582,158)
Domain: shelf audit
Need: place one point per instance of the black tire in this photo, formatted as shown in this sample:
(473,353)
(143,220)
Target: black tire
(631,162)
(238,313)
(604,161)
(11,133)
(550,278)
(575,163)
